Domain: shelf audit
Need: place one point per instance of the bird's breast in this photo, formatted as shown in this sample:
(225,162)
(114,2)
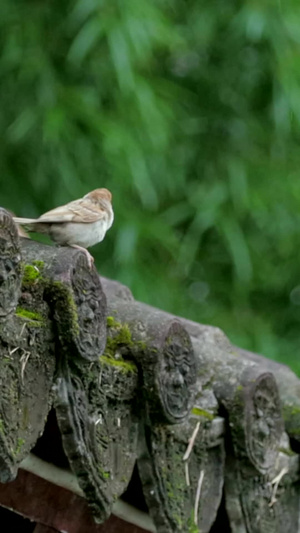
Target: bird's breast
(84,235)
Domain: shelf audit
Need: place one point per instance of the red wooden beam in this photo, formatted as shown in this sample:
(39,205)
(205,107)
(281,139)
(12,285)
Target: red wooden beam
(55,508)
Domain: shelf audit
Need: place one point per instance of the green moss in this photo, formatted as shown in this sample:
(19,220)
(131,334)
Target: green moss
(119,341)
(60,294)
(112,322)
(104,473)
(123,336)
(238,399)
(120,336)
(141,345)
(1,426)
(63,296)
(36,318)
(15,452)
(192,528)
(170,490)
(169,341)
(20,443)
(202,412)
(39,264)
(179,521)
(125,366)
(32,273)
(286,451)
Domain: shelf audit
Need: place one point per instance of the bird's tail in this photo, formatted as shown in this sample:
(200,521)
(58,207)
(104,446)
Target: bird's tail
(27,222)
(24,221)
(30,224)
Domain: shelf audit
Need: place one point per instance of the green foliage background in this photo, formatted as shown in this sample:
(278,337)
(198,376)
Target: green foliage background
(188,111)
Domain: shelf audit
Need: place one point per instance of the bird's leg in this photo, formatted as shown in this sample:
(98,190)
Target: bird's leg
(89,257)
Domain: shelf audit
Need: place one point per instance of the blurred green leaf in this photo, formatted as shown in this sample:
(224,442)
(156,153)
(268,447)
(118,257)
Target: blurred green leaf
(238,248)
(189,112)
(121,58)
(22,125)
(86,39)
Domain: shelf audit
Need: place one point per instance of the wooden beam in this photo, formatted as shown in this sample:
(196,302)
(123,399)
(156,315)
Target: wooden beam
(55,508)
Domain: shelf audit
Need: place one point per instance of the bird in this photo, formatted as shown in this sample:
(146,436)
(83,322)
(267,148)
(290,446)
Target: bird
(79,224)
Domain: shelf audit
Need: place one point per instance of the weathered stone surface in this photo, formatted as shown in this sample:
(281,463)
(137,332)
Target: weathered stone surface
(27,367)
(289,389)
(95,408)
(141,385)
(287,382)
(269,503)
(254,417)
(114,289)
(10,265)
(286,489)
(164,353)
(27,361)
(170,477)
(250,396)
(245,387)
(74,294)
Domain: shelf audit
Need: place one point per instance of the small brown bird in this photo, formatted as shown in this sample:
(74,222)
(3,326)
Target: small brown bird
(80,224)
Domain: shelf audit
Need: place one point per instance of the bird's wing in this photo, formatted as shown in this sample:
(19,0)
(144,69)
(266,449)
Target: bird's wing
(82,210)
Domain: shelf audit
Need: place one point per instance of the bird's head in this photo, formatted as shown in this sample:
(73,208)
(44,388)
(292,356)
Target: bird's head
(98,195)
